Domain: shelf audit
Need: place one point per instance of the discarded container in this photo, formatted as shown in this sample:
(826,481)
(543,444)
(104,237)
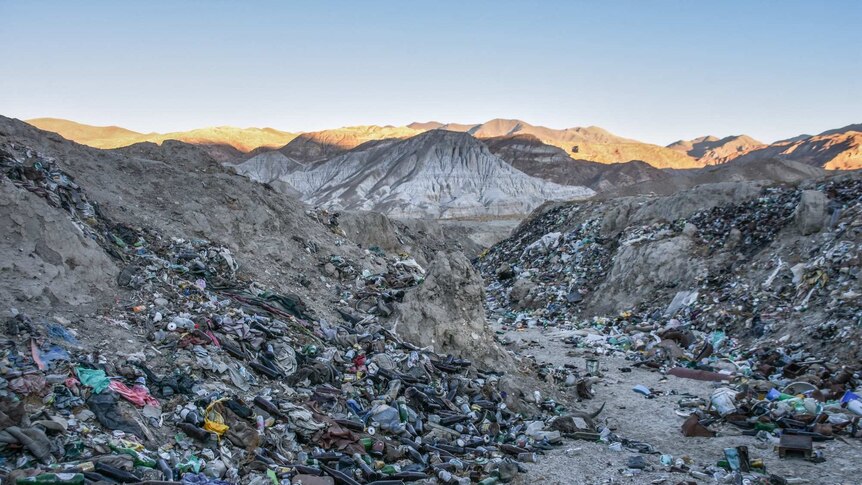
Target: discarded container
(737,458)
(692,427)
(641,389)
(722,401)
(853,403)
(796,388)
(592,366)
(791,443)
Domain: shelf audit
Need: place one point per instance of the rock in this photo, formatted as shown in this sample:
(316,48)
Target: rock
(681,299)
(505,272)
(689,229)
(733,238)
(519,295)
(45,258)
(638,270)
(446,312)
(514,390)
(810,214)
(329,269)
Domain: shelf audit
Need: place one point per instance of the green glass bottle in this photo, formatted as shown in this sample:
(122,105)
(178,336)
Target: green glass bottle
(764,426)
(139,458)
(53,479)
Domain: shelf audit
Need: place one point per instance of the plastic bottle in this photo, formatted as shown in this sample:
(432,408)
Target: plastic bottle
(444,476)
(388,418)
(775,395)
(139,458)
(167,471)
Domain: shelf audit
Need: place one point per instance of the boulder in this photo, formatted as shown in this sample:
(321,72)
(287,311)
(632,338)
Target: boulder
(521,293)
(505,271)
(445,312)
(810,214)
(640,270)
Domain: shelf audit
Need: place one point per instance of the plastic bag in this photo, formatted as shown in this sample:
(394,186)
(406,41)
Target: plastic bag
(723,401)
(94,378)
(138,394)
(213,420)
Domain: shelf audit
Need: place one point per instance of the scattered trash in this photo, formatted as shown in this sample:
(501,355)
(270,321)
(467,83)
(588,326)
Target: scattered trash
(641,389)
(239,384)
(768,325)
(795,444)
(236,383)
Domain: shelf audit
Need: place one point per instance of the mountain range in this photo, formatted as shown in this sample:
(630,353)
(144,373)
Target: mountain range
(591,143)
(242,139)
(712,150)
(436,174)
(498,168)
(832,149)
(839,149)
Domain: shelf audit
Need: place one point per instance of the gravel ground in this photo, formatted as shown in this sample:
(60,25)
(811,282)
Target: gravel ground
(654,421)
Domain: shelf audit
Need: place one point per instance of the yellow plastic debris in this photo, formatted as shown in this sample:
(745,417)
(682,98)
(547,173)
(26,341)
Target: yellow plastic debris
(213,420)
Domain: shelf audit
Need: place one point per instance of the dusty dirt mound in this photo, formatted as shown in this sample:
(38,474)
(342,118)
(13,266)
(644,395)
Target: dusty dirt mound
(46,260)
(640,268)
(422,238)
(446,313)
(278,243)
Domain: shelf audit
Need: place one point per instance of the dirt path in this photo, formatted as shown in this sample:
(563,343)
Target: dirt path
(654,421)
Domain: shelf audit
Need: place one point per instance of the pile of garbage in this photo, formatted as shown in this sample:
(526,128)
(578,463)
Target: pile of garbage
(228,382)
(549,275)
(773,318)
(751,271)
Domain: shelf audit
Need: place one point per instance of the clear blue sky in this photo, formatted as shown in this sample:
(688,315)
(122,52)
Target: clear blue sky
(652,70)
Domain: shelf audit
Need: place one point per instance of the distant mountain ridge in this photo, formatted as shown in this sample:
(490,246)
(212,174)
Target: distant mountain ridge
(321,145)
(94,136)
(832,149)
(711,150)
(528,154)
(242,139)
(590,143)
(439,174)
(837,149)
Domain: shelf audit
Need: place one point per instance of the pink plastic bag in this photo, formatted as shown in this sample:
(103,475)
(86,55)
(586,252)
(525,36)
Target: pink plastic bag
(137,395)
